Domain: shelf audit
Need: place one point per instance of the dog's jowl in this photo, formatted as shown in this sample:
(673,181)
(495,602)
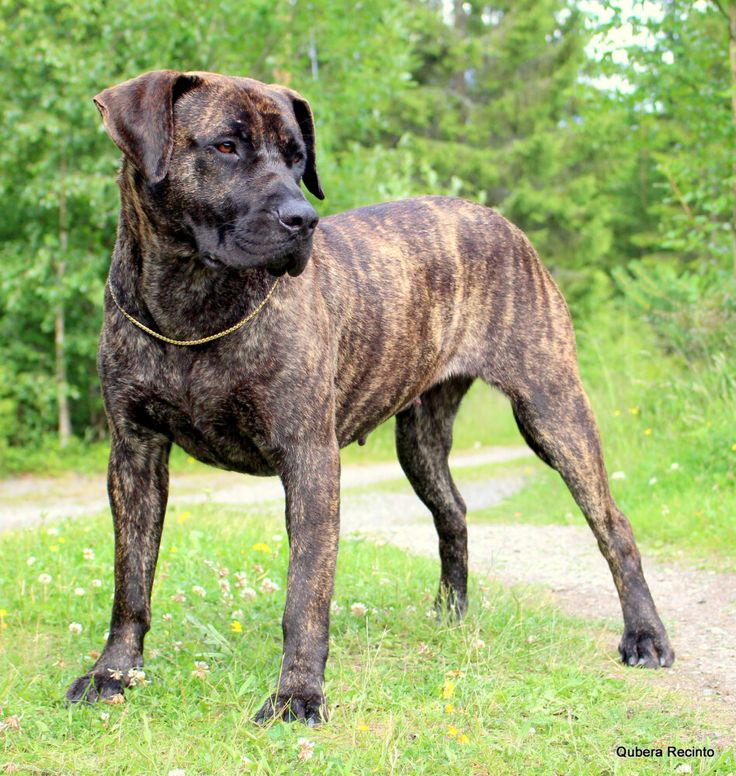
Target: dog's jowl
(327,330)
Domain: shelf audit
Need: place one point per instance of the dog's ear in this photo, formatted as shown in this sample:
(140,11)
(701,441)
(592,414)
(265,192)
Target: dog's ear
(305,120)
(139,117)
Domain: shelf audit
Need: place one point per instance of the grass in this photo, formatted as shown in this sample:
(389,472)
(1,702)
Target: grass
(669,443)
(516,688)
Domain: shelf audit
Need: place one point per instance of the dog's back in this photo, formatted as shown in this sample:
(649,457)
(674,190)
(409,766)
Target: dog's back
(423,289)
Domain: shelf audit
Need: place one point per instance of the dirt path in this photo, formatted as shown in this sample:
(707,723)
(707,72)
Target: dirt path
(699,607)
(29,500)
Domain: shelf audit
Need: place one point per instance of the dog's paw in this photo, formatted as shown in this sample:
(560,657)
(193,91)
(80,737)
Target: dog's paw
(646,648)
(449,605)
(307,707)
(100,684)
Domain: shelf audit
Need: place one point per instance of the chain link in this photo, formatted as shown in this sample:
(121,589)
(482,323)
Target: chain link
(204,340)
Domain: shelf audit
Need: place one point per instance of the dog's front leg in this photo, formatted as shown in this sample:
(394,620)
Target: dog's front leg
(138,478)
(311,477)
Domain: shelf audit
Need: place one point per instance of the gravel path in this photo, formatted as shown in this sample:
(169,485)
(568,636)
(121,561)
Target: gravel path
(699,607)
(30,499)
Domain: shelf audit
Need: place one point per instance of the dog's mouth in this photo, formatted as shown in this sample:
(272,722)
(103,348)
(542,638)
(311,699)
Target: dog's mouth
(212,261)
(294,266)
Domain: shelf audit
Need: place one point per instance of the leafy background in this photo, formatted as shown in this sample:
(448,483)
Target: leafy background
(613,151)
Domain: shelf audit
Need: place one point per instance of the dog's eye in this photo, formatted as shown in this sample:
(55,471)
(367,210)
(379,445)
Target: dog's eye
(228,147)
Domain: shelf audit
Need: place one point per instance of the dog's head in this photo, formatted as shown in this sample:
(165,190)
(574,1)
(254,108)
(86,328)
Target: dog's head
(220,160)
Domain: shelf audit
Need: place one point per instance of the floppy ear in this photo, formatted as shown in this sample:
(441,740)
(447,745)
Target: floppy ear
(305,120)
(139,117)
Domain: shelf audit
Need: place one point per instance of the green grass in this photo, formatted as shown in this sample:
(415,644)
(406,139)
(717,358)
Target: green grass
(668,429)
(530,691)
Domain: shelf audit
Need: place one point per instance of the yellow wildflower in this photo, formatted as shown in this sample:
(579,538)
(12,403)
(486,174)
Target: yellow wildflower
(463,739)
(449,708)
(634,410)
(617,413)
(190,460)
(647,432)
(362,726)
(447,689)
(173,549)
(62,540)
(733,447)
(262,547)
(236,627)
(54,548)
(183,517)
(452,731)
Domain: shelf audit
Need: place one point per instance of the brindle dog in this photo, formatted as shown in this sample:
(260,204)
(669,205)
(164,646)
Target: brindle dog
(399,302)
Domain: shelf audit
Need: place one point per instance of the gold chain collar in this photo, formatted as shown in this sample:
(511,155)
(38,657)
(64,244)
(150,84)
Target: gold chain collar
(188,343)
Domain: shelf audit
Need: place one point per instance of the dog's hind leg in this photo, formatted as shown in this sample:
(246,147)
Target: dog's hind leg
(423,442)
(540,376)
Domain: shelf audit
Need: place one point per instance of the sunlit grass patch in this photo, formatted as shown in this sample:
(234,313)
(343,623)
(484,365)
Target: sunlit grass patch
(516,688)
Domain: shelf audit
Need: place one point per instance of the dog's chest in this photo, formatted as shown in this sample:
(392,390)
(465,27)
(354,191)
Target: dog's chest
(204,408)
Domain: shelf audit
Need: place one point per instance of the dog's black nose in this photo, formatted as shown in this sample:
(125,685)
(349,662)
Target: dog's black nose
(296,216)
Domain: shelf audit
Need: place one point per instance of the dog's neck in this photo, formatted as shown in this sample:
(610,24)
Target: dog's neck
(162,281)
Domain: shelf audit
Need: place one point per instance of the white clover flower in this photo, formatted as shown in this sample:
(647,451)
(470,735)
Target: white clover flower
(75,628)
(167,617)
(652,480)
(674,466)
(136,677)
(358,609)
(335,607)
(478,644)
(618,476)
(241,579)
(178,645)
(179,597)
(199,590)
(79,591)
(53,531)
(222,572)
(277,537)
(248,594)
(177,772)
(116,674)
(201,669)
(31,560)
(96,583)
(306,749)
(88,553)
(269,586)
(224,586)
(44,579)
(237,614)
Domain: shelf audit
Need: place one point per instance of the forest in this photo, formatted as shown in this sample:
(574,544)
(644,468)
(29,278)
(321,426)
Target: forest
(604,130)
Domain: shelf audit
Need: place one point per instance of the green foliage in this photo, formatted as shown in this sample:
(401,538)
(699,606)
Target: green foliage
(626,191)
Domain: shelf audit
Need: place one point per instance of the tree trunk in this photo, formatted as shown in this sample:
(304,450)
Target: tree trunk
(62,397)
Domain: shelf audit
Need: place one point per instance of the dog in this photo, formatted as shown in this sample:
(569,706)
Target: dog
(263,340)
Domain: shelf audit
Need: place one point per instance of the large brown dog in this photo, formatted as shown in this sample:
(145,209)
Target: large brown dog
(400,301)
